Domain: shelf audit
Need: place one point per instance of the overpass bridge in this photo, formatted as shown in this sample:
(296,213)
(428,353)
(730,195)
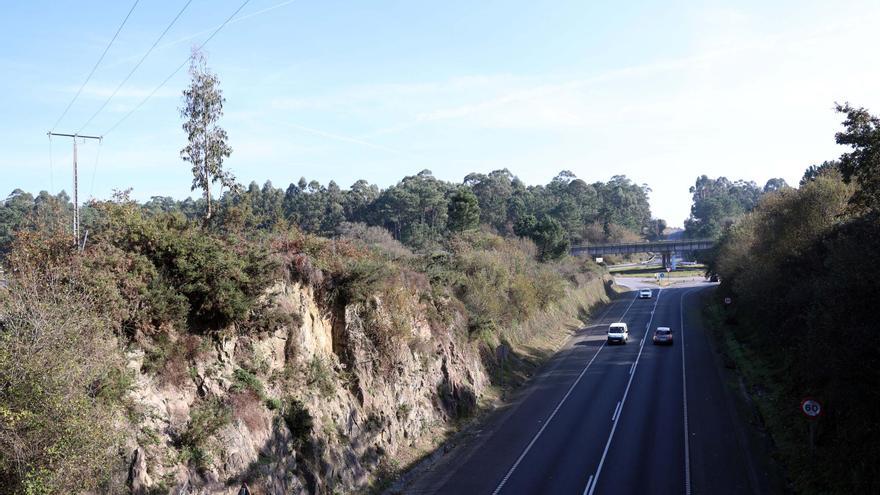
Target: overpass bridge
(665,248)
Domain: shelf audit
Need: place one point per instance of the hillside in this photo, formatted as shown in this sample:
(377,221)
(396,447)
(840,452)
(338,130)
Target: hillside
(169,355)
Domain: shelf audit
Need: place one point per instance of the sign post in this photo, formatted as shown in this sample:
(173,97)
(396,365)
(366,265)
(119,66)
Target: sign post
(812,409)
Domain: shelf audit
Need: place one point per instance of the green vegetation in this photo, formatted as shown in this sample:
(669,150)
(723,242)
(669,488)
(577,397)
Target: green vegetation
(464,211)
(800,273)
(245,380)
(717,203)
(320,376)
(484,260)
(173,287)
(62,389)
(202,108)
(206,419)
(298,420)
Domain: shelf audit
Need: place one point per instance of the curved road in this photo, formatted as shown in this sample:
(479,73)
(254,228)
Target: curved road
(623,419)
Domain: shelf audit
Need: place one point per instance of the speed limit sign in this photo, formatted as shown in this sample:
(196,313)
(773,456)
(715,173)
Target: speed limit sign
(811,408)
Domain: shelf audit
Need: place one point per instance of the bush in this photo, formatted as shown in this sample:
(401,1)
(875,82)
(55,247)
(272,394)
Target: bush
(500,281)
(170,359)
(375,238)
(219,277)
(206,418)
(245,380)
(320,376)
(298,421)
(63,381)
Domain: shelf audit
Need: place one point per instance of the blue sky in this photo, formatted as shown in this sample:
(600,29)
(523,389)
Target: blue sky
(660,91)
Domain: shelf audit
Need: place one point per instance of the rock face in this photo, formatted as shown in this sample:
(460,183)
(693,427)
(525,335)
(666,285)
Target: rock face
(318,404)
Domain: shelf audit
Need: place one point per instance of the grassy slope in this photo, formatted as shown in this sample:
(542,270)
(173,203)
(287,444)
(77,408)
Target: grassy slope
(776,409)
(532,344)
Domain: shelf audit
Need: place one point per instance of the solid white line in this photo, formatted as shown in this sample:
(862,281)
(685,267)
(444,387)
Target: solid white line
(687,450)
(616,411)
(622,403)
(550,418)
(589,482)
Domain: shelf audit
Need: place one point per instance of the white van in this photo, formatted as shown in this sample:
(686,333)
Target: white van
(618,333)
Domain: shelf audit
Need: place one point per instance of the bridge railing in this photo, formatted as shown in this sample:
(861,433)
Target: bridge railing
(647,246)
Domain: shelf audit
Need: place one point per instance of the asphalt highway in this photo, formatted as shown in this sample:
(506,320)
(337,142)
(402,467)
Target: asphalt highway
(613,419)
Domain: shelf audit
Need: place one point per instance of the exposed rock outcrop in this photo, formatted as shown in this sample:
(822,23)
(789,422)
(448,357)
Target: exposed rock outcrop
(321,404)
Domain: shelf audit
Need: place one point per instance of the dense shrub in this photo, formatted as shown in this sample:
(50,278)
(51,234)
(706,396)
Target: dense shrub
(62,381)
(219,277)
(206,418)
(376,238)
(799,272)
(499,280)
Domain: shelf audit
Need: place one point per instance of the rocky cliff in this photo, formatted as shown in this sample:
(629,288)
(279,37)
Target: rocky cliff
(318,399)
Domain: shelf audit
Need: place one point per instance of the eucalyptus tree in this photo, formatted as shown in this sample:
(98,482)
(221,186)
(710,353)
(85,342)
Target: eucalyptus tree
(207,142)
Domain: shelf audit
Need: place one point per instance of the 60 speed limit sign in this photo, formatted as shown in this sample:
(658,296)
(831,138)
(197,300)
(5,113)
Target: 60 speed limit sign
(811,408)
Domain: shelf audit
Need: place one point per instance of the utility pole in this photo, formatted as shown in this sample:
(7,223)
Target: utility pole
(75,179)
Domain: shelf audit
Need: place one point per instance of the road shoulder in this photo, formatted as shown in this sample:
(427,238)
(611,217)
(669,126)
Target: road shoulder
(767,476)
(454,452)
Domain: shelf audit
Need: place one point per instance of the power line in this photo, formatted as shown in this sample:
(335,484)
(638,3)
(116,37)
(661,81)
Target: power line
(182,65)
(89,77)
(167,28)
(95,169)
(237,19)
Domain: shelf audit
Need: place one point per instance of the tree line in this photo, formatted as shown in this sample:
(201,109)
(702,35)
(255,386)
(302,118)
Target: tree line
(801,272)
(420,210)
(717,203)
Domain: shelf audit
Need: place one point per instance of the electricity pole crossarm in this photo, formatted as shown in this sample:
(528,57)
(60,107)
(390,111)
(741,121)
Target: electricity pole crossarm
(75,179)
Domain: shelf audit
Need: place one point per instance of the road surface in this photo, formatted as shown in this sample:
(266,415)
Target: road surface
(622,419)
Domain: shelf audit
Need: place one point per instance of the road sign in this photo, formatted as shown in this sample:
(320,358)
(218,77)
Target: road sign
(667,268)
(811,408)
(727,300)
(661,275)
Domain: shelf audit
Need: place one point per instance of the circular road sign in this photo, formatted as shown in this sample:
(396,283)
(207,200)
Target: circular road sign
(727,300)
(811,408)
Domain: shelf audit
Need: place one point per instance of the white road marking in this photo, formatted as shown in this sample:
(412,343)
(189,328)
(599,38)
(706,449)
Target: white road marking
(622,403)
(589,482)
(632,368)
(552,414)
(687,451)
(616,411)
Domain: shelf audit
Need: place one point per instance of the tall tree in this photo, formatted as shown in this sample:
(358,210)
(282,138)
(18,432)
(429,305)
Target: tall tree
(816,171)
(463,210)
(862,164)
(717,203)
(202,108)
(775,184)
